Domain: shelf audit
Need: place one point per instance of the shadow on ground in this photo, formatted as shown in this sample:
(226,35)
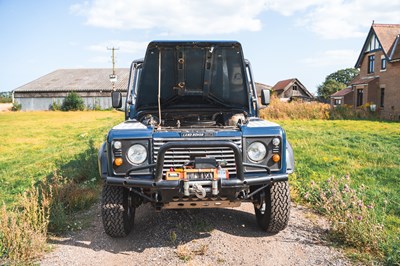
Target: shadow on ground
(170,228)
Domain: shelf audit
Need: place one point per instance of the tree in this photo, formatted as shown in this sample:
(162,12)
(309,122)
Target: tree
(73,102)
(335,82)
(344,76)
(329,87)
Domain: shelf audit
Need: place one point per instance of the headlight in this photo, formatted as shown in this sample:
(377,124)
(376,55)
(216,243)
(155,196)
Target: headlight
(256,151)
(276,141)
(137,154)
(117,145)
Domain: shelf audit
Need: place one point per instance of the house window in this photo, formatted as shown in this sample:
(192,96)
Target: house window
(383,63)
(371,63)
(382,97)
(360,94)
(295,88)
(338,101)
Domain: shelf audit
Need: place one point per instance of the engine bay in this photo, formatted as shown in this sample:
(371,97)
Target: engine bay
(197,120)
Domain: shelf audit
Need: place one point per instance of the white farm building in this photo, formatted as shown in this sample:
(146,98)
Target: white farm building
(93,85)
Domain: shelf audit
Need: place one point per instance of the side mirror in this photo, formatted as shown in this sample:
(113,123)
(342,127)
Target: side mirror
(265,97)
(116,99)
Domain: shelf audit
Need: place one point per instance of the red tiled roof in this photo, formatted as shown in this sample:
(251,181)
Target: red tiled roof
(342,92)
(362,80)
(280,85)
(395,53)
(386,34)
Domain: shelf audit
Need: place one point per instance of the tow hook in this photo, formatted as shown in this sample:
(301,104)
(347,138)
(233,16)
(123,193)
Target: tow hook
(199,191)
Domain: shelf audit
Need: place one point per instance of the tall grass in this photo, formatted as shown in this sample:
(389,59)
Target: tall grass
(295,110)
(366,152)
(23,230)
(57,152)
(315,110)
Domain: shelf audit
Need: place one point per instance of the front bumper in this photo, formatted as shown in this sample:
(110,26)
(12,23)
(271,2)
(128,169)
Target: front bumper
(156,183)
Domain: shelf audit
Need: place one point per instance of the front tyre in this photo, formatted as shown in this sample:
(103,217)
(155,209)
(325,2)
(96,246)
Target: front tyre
(273,210)
(116,210)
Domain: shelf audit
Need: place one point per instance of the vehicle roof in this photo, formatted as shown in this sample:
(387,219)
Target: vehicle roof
(197,43)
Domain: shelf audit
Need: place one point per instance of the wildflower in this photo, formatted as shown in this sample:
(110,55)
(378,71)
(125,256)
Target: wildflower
(306,196)
(359,217)
(312,183)
(370,206)
(346,188)
(347,177)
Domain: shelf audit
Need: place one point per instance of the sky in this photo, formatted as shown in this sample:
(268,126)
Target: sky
(304,39)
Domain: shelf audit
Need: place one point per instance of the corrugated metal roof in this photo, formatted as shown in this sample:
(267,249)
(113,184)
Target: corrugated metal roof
(89,79)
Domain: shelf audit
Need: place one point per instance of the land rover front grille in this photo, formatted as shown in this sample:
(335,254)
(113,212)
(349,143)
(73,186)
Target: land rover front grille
(177,157)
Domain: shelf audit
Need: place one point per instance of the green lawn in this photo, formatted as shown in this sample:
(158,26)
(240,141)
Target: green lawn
(368,151)
(32,143)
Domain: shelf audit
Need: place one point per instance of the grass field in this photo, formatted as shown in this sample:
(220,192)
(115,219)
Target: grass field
(34,144)
(369,152)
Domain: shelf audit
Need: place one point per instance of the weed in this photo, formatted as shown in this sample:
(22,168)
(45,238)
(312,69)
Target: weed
(23,231)
(353,219)
(55,106)
(186,254)
(172,236)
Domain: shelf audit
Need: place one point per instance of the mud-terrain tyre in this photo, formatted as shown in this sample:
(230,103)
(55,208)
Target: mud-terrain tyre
(118,216)
(277,208)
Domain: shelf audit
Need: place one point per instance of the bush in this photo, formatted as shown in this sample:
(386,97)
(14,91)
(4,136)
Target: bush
(348,112)
(5,100)
(73,102)
(16,107)
(55,106)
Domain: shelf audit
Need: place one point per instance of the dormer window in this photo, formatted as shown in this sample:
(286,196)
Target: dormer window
(371,64)
(373,44)
(383,63)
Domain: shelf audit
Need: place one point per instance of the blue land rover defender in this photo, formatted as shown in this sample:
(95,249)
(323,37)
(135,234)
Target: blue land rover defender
(192,138)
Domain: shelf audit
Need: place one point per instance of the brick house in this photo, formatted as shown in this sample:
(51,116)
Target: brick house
(341,97)
(291,89)
(378,83)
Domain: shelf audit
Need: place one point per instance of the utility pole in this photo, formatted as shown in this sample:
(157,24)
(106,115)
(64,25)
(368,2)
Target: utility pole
(113,76)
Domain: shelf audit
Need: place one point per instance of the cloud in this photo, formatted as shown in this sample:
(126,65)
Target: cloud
(179,17)
(338,19)
(329,19)
(289,7)
(343,58)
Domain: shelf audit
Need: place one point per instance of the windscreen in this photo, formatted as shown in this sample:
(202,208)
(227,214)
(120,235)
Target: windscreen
(193,75)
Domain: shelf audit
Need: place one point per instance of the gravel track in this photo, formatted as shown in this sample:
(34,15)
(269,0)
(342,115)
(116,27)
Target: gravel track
(199,237)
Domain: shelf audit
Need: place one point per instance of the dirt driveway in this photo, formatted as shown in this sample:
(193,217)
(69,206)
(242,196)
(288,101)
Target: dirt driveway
(199,237)
(5,107)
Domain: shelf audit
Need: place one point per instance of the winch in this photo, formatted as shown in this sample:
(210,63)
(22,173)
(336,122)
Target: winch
(200,176)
